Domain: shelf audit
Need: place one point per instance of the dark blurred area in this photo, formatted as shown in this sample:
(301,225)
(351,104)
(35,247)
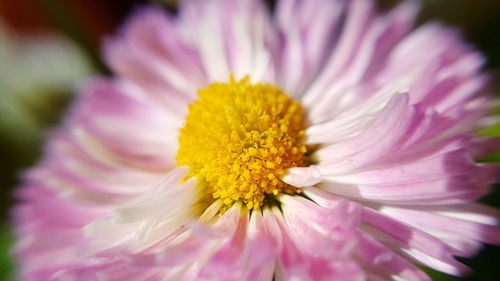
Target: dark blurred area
(85,22)
(63,37)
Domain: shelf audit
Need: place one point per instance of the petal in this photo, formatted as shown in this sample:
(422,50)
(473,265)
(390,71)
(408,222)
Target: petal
(150,52)
(131,129)
(373,40)
(308,30)
(409,241)
(467,226)
(231,37)
(151,217)
(383,264)
(297,264)
(317,230)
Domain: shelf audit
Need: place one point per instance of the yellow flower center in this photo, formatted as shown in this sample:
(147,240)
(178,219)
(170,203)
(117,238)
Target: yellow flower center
(239,138)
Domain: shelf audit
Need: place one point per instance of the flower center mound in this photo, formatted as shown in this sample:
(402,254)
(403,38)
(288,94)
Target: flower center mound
(238,140)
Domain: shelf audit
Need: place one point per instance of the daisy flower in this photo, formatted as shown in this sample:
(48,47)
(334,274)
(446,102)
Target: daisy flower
(320,141)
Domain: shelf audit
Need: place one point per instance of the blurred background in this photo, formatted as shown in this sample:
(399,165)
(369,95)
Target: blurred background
(49,47)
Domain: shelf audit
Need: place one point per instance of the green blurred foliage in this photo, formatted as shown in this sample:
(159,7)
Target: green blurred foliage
(37,75)
(6,263)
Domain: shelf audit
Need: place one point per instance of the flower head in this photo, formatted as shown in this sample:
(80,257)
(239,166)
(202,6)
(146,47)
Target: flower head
(322,142)
(239,139)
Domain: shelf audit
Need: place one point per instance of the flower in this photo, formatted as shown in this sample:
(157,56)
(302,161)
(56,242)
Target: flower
(323,142)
